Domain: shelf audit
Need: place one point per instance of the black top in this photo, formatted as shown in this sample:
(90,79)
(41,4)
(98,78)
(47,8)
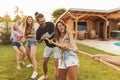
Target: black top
(47,31)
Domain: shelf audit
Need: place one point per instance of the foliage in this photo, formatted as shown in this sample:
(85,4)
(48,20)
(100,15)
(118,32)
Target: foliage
(5,34)
(1,19)
(16,17)
(7,18)
(57,13)
(23,20)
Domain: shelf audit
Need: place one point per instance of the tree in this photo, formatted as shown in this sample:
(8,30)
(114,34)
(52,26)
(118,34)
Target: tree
(57,13)
(5,34)
(24,20)
(17,11)
(5,30)
(7,18)
(1,19)
(16,17)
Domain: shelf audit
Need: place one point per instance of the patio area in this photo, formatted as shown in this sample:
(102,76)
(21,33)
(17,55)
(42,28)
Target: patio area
(107,46)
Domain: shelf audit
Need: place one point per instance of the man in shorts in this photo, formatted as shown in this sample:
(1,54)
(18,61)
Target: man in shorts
(46,29)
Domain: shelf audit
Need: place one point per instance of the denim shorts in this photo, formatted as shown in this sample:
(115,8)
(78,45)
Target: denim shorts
(69,59)
(31,43)
(16,44)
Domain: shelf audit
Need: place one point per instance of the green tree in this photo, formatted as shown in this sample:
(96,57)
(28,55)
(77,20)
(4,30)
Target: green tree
(16,10)
(57,13)
(19,12)
(7,18)
(1,19)
(16,17)
(23,20)
(5,34)
(5,30)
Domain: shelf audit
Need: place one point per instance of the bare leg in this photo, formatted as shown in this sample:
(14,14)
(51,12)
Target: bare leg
(22,49)
(45,63)
(62,74)
(72,72)
(17,56)
(28,53)
(32,57)
(56,69)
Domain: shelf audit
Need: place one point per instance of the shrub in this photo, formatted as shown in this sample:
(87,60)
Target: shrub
(5,34)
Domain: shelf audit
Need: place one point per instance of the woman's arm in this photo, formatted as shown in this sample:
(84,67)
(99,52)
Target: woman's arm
(18,34)
(63,46)
(29,36)
(72,41)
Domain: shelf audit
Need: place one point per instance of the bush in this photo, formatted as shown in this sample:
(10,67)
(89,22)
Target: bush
(5,34)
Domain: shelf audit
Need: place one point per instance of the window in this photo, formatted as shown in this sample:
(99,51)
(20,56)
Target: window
(82,26)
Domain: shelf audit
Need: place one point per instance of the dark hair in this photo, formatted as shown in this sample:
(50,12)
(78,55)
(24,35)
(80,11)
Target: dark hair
(57,32)
(39,15)
(36,13)
(28,27)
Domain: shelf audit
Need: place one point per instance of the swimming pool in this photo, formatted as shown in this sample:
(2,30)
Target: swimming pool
(117,43)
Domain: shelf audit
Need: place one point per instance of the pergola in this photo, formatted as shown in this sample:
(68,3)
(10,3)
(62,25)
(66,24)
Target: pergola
(77,15)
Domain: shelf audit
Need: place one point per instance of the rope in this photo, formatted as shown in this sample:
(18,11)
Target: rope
(90,55)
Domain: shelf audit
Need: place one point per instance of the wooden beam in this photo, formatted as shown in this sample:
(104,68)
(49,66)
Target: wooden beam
(105,29)
(81,16)
(70,14)
(114,16)
(76,28)
(87,14)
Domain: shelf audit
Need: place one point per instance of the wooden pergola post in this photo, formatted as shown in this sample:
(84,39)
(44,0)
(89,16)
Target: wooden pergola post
(76,28)
(105,30)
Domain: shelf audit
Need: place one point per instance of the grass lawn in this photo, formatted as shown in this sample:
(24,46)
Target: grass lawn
(88,70)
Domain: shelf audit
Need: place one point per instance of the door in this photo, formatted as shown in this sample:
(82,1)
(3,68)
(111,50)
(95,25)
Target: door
(101,30)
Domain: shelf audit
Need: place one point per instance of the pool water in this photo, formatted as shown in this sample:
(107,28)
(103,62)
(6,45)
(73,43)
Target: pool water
(117,43)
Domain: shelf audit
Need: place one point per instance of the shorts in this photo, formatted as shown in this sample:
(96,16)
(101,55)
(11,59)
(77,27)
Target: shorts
(16,44)
(30,43)
(69,59)
(48,51)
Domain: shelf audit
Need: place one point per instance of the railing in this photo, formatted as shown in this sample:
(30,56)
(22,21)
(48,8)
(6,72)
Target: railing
(115,34)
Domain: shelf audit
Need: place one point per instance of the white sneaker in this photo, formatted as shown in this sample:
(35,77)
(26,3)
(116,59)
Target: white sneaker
(43,77)
(34,75)
(29,65)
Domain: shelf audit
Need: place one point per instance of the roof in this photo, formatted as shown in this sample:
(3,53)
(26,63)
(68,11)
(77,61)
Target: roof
(95,10)
(87,10)
(90,10)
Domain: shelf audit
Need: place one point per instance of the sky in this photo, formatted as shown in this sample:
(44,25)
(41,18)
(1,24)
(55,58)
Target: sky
(29,7)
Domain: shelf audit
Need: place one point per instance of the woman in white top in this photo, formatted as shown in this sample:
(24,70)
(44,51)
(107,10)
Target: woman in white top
(68,63)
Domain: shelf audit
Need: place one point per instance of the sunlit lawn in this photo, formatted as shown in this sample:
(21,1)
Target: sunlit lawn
(88,69)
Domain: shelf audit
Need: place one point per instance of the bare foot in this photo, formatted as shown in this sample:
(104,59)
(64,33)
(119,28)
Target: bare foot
(18,67)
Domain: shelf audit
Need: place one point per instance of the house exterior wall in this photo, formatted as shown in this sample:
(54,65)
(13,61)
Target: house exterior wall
(90,25)
(70,24)
(113,25)
(97,21)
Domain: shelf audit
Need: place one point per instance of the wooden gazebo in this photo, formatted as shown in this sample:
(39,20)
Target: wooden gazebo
(101,21)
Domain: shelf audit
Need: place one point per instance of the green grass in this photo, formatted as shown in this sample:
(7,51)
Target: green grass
(88,69)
